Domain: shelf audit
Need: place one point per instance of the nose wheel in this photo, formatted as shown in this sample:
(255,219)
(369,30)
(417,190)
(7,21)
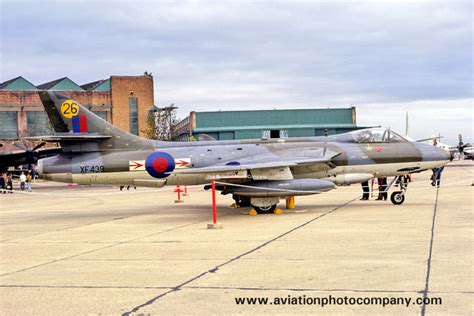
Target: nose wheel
(397,197)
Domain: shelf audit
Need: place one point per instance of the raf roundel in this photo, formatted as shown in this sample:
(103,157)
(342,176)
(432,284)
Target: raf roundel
(159,164)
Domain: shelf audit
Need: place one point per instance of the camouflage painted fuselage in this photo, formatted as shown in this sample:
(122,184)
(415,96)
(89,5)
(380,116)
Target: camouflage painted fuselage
(120,166)
(96,152)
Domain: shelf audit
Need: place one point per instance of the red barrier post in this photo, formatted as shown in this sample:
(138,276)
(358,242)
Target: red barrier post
(178,190)
(214,224)
(214,209)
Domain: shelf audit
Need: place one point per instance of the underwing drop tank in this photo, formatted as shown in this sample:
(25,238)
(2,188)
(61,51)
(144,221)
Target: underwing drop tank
(350,178)
(279,188)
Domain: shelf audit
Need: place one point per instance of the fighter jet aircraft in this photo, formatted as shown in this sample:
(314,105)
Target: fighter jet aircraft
(255,172)
(14,155)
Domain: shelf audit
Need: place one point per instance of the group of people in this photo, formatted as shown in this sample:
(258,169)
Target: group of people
(6,182)
(402,181)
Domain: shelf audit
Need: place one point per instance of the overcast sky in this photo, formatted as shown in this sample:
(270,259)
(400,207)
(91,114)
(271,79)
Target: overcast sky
(385,58)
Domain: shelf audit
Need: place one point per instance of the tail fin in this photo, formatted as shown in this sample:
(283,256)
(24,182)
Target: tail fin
(74,123)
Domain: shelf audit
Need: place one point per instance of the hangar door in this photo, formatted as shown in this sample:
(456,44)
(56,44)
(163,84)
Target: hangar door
(8,124)
(226,135)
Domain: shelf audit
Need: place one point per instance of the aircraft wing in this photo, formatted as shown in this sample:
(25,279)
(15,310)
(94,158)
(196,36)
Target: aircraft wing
(262,162)
(428,138)
(80,137)
(23,157)
(12,157)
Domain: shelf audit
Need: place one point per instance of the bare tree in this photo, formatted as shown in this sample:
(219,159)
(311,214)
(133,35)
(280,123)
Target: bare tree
(162,123)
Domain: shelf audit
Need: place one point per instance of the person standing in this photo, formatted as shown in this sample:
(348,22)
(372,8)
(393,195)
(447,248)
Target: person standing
(2,183)
(5,183)
(365,190)
(382,183)
(22,181)
(437,174)
(9,183)
(29,178)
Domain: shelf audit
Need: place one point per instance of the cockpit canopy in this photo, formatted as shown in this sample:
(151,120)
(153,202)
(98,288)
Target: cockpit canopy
(371,135)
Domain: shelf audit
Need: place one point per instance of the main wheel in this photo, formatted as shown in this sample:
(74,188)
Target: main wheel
(241,201)
(264,209)
(397,197)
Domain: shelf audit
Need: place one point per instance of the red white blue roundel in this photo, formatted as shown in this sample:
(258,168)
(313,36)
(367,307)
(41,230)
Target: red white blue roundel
(159,164)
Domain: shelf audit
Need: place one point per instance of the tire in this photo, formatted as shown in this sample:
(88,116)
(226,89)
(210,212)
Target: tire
(241,201)
(265,209)
(397,197)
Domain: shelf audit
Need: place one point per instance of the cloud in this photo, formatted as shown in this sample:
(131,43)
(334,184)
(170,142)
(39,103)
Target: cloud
(255,54)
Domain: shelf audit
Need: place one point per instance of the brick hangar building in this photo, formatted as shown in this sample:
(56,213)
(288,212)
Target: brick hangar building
(124,101)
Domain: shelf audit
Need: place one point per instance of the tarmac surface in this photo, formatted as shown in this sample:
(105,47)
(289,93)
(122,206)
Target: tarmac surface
(70,250)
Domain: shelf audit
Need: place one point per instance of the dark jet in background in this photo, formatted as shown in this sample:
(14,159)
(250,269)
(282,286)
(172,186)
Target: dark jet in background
(15,155)
(256,172)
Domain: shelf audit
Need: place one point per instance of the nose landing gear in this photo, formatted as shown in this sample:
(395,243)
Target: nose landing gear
(398,197)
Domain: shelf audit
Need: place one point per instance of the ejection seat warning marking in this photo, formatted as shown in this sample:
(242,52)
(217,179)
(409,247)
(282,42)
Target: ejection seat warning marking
(182,163)
(69,109)
(136,165)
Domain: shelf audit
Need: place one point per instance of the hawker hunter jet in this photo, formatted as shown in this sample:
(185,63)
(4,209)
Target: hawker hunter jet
(256,172)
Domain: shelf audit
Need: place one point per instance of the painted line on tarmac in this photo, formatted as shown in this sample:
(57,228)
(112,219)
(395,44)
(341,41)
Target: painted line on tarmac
(220,288)
(318,290)
(216,268)
(430,254)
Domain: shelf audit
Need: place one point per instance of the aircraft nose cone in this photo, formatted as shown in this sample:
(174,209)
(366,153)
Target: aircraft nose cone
(442,154)
(432,153)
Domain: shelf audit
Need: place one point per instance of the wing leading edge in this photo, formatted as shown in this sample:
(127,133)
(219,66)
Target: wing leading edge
(267,162)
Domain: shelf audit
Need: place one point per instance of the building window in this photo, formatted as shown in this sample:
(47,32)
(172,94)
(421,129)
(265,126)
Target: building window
(133,114)
(8,125)
(38,123)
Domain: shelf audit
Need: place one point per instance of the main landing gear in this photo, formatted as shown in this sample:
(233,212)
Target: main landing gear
(264,209)
(260,205)
(241,201)
(398,197)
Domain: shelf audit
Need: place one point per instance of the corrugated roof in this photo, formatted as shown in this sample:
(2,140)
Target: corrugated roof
(99,85)
(92,85)
(18,83)
(61,84)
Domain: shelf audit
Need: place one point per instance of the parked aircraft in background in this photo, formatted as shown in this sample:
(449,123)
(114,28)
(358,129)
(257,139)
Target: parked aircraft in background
(96,152)
(15,155)
(463,150)
(467,150)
